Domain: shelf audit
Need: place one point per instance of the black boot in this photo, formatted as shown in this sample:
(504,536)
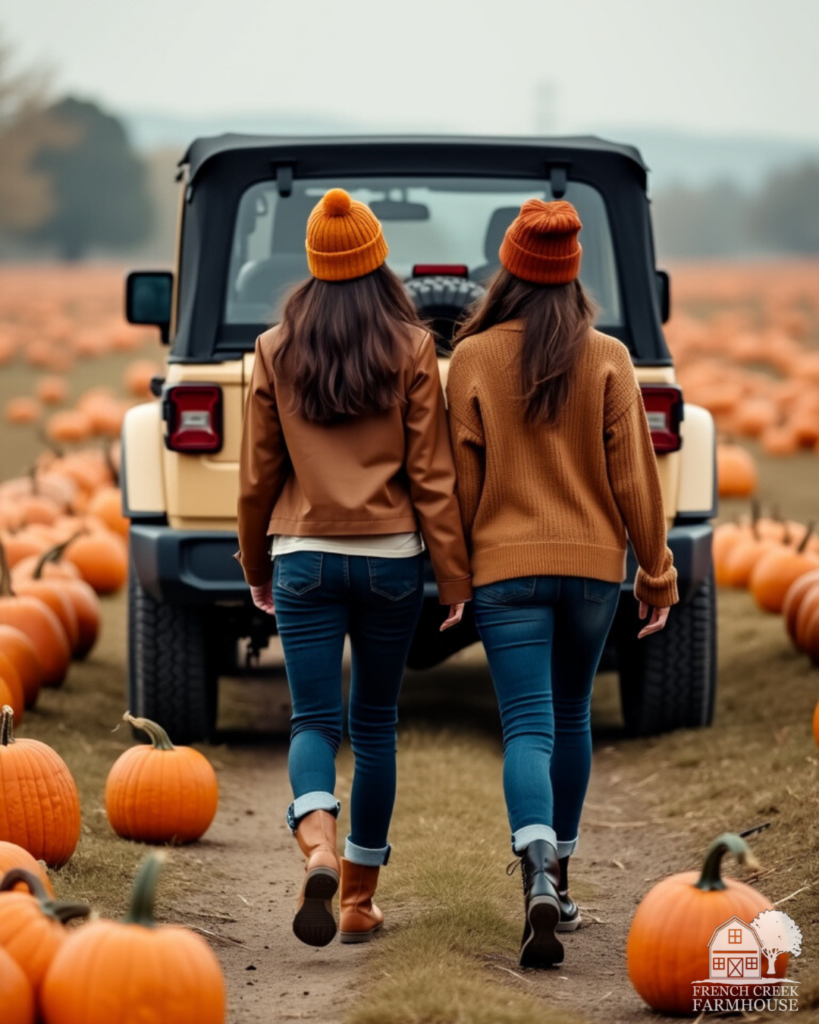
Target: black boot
(540,946)
(569,911)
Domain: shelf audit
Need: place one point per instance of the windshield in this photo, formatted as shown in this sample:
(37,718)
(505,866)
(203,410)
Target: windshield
(425,220)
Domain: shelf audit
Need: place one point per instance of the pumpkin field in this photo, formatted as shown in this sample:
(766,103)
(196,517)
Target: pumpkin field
(101,835)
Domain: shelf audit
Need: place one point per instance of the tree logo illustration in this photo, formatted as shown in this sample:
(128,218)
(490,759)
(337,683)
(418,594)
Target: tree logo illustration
(777,934)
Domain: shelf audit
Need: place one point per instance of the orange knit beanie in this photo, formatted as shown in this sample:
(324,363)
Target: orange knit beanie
(541,243)
(344,238)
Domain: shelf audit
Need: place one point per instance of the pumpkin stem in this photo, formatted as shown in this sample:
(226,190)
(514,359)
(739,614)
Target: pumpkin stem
(143,895)
(109,462)
(711,878)
(5,574)
(53,555)
(51,445)
(6,725)
(808,534)
(159,738)
(755,514)
(62,912)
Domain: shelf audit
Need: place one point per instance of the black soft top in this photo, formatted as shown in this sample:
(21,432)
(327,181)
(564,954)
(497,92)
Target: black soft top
(487,149)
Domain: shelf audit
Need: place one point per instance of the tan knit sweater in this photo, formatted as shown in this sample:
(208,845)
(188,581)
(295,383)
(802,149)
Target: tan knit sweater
(557,499)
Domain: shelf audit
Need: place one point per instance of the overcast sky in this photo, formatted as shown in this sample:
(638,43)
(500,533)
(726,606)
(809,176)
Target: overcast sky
(718,66)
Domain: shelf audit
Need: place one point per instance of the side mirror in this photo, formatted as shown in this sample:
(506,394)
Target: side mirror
(148,298)
(664,294)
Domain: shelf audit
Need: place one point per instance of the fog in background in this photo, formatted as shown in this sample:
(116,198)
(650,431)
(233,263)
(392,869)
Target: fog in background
(720,95)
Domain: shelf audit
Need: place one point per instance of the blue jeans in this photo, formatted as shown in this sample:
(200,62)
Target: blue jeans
(544,636)
(320,598)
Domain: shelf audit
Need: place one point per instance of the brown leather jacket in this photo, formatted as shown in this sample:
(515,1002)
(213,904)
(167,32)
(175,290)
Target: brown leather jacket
(389,473)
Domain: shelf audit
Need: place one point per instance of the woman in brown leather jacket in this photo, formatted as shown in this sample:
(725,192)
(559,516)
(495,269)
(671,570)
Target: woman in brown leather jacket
(346,462)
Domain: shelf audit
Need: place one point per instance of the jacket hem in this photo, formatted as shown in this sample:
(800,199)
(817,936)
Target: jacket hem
(342,528)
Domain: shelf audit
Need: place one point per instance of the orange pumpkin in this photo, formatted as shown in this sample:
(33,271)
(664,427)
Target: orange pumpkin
(175,973)
(48,825)
(160,793)
(14,684)
(14,856)
(60,570)
(53,594)
(137,377)
(16,995)
(737,474)
(107,504)
(740,563)
(89,614)
(68,426)
(668,940)
(774,573)
(22,410)
(797,593)
(808,635)
(13,696)
(38,508)
(39,623)
(32,924)
(52,390)
(19,649)
(18,546)
(804,614)
(102,559)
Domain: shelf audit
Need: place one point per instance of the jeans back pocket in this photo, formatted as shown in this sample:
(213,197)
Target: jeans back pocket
(512,591)
(599,591)
(394,578)
(299,571)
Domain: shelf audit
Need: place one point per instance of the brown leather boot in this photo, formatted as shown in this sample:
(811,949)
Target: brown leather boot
(360,917)
(314,922)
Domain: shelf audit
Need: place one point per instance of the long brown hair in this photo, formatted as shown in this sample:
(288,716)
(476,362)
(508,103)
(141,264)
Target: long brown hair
(557,322)
(342,343)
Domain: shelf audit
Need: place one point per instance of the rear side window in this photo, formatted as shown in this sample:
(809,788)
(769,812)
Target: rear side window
(425,220)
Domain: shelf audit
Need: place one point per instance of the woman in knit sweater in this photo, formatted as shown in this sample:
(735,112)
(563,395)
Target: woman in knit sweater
(555,469)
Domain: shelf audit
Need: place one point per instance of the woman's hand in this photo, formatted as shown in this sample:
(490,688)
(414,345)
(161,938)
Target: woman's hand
(456,613)
(659,617)
(263,598)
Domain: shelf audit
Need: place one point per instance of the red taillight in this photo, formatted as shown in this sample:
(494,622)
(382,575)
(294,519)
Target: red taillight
(193,413)
(440,269)
(664,409)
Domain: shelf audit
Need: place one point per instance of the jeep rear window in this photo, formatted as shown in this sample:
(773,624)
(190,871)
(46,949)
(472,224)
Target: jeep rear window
(425,220)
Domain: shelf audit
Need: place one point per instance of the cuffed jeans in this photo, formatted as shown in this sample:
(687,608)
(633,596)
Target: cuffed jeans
(319,598)
(544,636)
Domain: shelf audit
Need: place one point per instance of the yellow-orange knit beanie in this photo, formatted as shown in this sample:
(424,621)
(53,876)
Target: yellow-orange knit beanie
(344,238)
(541,243)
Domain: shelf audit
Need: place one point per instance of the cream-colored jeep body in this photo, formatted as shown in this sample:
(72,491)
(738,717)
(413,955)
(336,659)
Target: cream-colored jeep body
(445,204)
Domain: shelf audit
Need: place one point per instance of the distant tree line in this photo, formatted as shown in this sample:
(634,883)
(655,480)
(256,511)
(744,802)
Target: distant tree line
(721,220)
(69,178)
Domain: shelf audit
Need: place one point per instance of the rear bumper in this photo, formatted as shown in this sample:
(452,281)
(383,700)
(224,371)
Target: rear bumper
(198,567)
(187,566)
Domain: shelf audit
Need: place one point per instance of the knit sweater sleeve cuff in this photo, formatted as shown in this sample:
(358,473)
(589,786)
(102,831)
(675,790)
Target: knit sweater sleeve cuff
(657,591)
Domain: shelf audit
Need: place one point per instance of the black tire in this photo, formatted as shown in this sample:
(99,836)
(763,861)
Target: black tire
(442,302)
(171,673)
(669,680)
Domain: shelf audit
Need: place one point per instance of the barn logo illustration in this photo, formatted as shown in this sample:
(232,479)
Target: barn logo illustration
(742,966)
